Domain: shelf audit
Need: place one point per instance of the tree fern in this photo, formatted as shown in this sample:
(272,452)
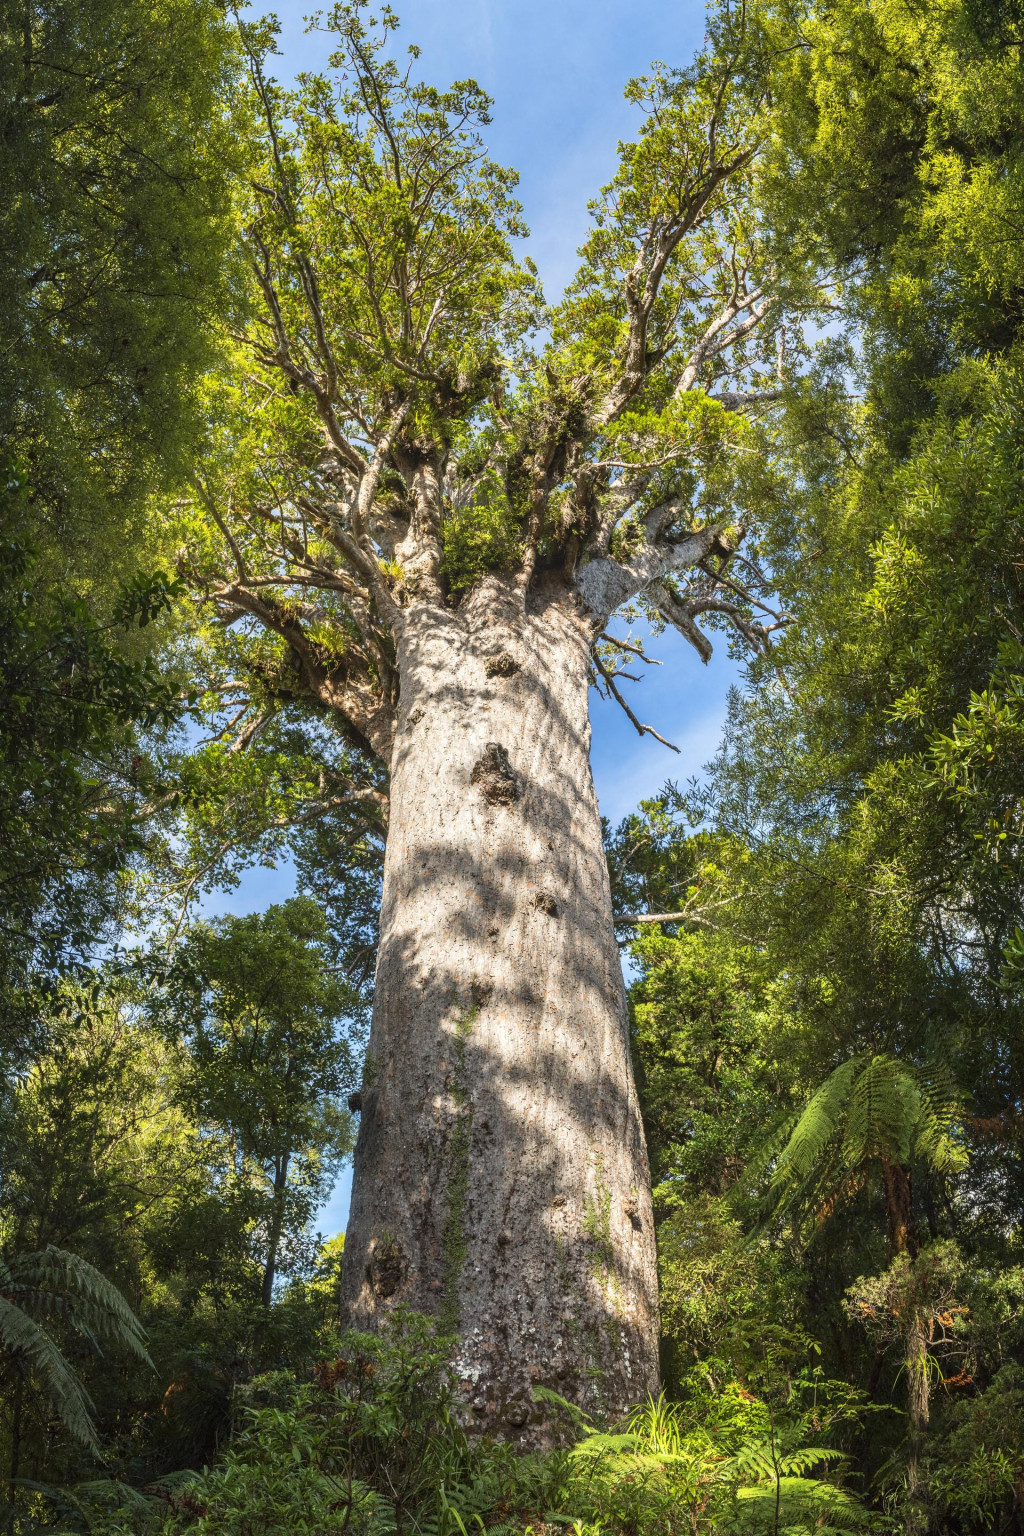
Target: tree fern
(23,1338)
(53,1284)
(870,1107)
(56,1280)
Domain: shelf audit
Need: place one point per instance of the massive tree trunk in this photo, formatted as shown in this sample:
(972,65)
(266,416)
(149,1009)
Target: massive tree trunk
(501,1179)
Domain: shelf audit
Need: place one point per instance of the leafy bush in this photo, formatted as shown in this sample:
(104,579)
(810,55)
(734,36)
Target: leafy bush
(374,1445)
(721,1461)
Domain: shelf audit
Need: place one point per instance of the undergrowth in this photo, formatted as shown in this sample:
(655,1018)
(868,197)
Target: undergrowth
(374,1445)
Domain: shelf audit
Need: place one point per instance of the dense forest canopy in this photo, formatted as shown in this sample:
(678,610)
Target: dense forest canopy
(319,523)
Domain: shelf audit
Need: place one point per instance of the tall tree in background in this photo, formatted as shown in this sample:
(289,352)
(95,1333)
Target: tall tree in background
(115,217)
(261,1009)
(116,213)
(416,530)
(866,808)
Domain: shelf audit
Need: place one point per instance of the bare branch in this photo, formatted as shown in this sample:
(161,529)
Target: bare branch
(639,919)
(717,337)
(641,730)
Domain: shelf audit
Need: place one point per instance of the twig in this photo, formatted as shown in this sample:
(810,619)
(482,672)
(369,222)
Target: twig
(636,919)
(624,645)
(641,730)
(656,917)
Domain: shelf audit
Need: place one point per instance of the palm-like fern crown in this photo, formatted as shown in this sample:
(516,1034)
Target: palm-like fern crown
(56,1284)
(871,1108)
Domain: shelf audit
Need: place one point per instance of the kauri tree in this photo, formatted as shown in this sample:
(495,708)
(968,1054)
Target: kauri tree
(419,524)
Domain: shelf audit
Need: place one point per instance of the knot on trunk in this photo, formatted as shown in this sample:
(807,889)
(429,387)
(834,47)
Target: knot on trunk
(632,1214)
(501,665)
(544,902)
(493,773)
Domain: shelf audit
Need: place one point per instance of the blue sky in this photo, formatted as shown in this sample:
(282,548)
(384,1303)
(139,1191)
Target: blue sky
(556,70)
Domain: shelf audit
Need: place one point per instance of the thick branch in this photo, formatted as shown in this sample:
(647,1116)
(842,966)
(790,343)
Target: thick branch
(605,584)
(346,687)
(681,620)
(681,612)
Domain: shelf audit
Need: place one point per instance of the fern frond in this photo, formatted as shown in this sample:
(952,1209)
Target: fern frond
(755,1461)
(796,1463)
(553,1400)
(939,1139)
(885,1109)
(807,1504)
(23,1336)
(815,1129)
(171,1482)
(56,1279)
(615,1445)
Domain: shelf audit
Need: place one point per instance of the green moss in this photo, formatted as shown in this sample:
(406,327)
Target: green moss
(597,1217)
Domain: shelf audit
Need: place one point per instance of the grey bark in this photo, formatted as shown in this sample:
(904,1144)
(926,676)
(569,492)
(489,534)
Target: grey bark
(276,1227)
(501,1179)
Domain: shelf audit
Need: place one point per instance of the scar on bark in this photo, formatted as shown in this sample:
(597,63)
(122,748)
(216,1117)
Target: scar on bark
(386,1267)
(501,665)
(546,903)
(415,716)
(498,784)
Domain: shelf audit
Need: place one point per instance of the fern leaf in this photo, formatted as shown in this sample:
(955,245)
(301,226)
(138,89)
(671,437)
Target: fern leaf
(801,1461)
(807,1504)
(553,1400)
(92,1302)
(816,1128)
(597,1444)
(22,1335)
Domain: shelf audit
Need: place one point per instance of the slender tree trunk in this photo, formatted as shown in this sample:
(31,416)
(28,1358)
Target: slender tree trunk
(501,1179)
(918,1394)
(898,1195)
(276,1227)
(14,1464)
(899,1206)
